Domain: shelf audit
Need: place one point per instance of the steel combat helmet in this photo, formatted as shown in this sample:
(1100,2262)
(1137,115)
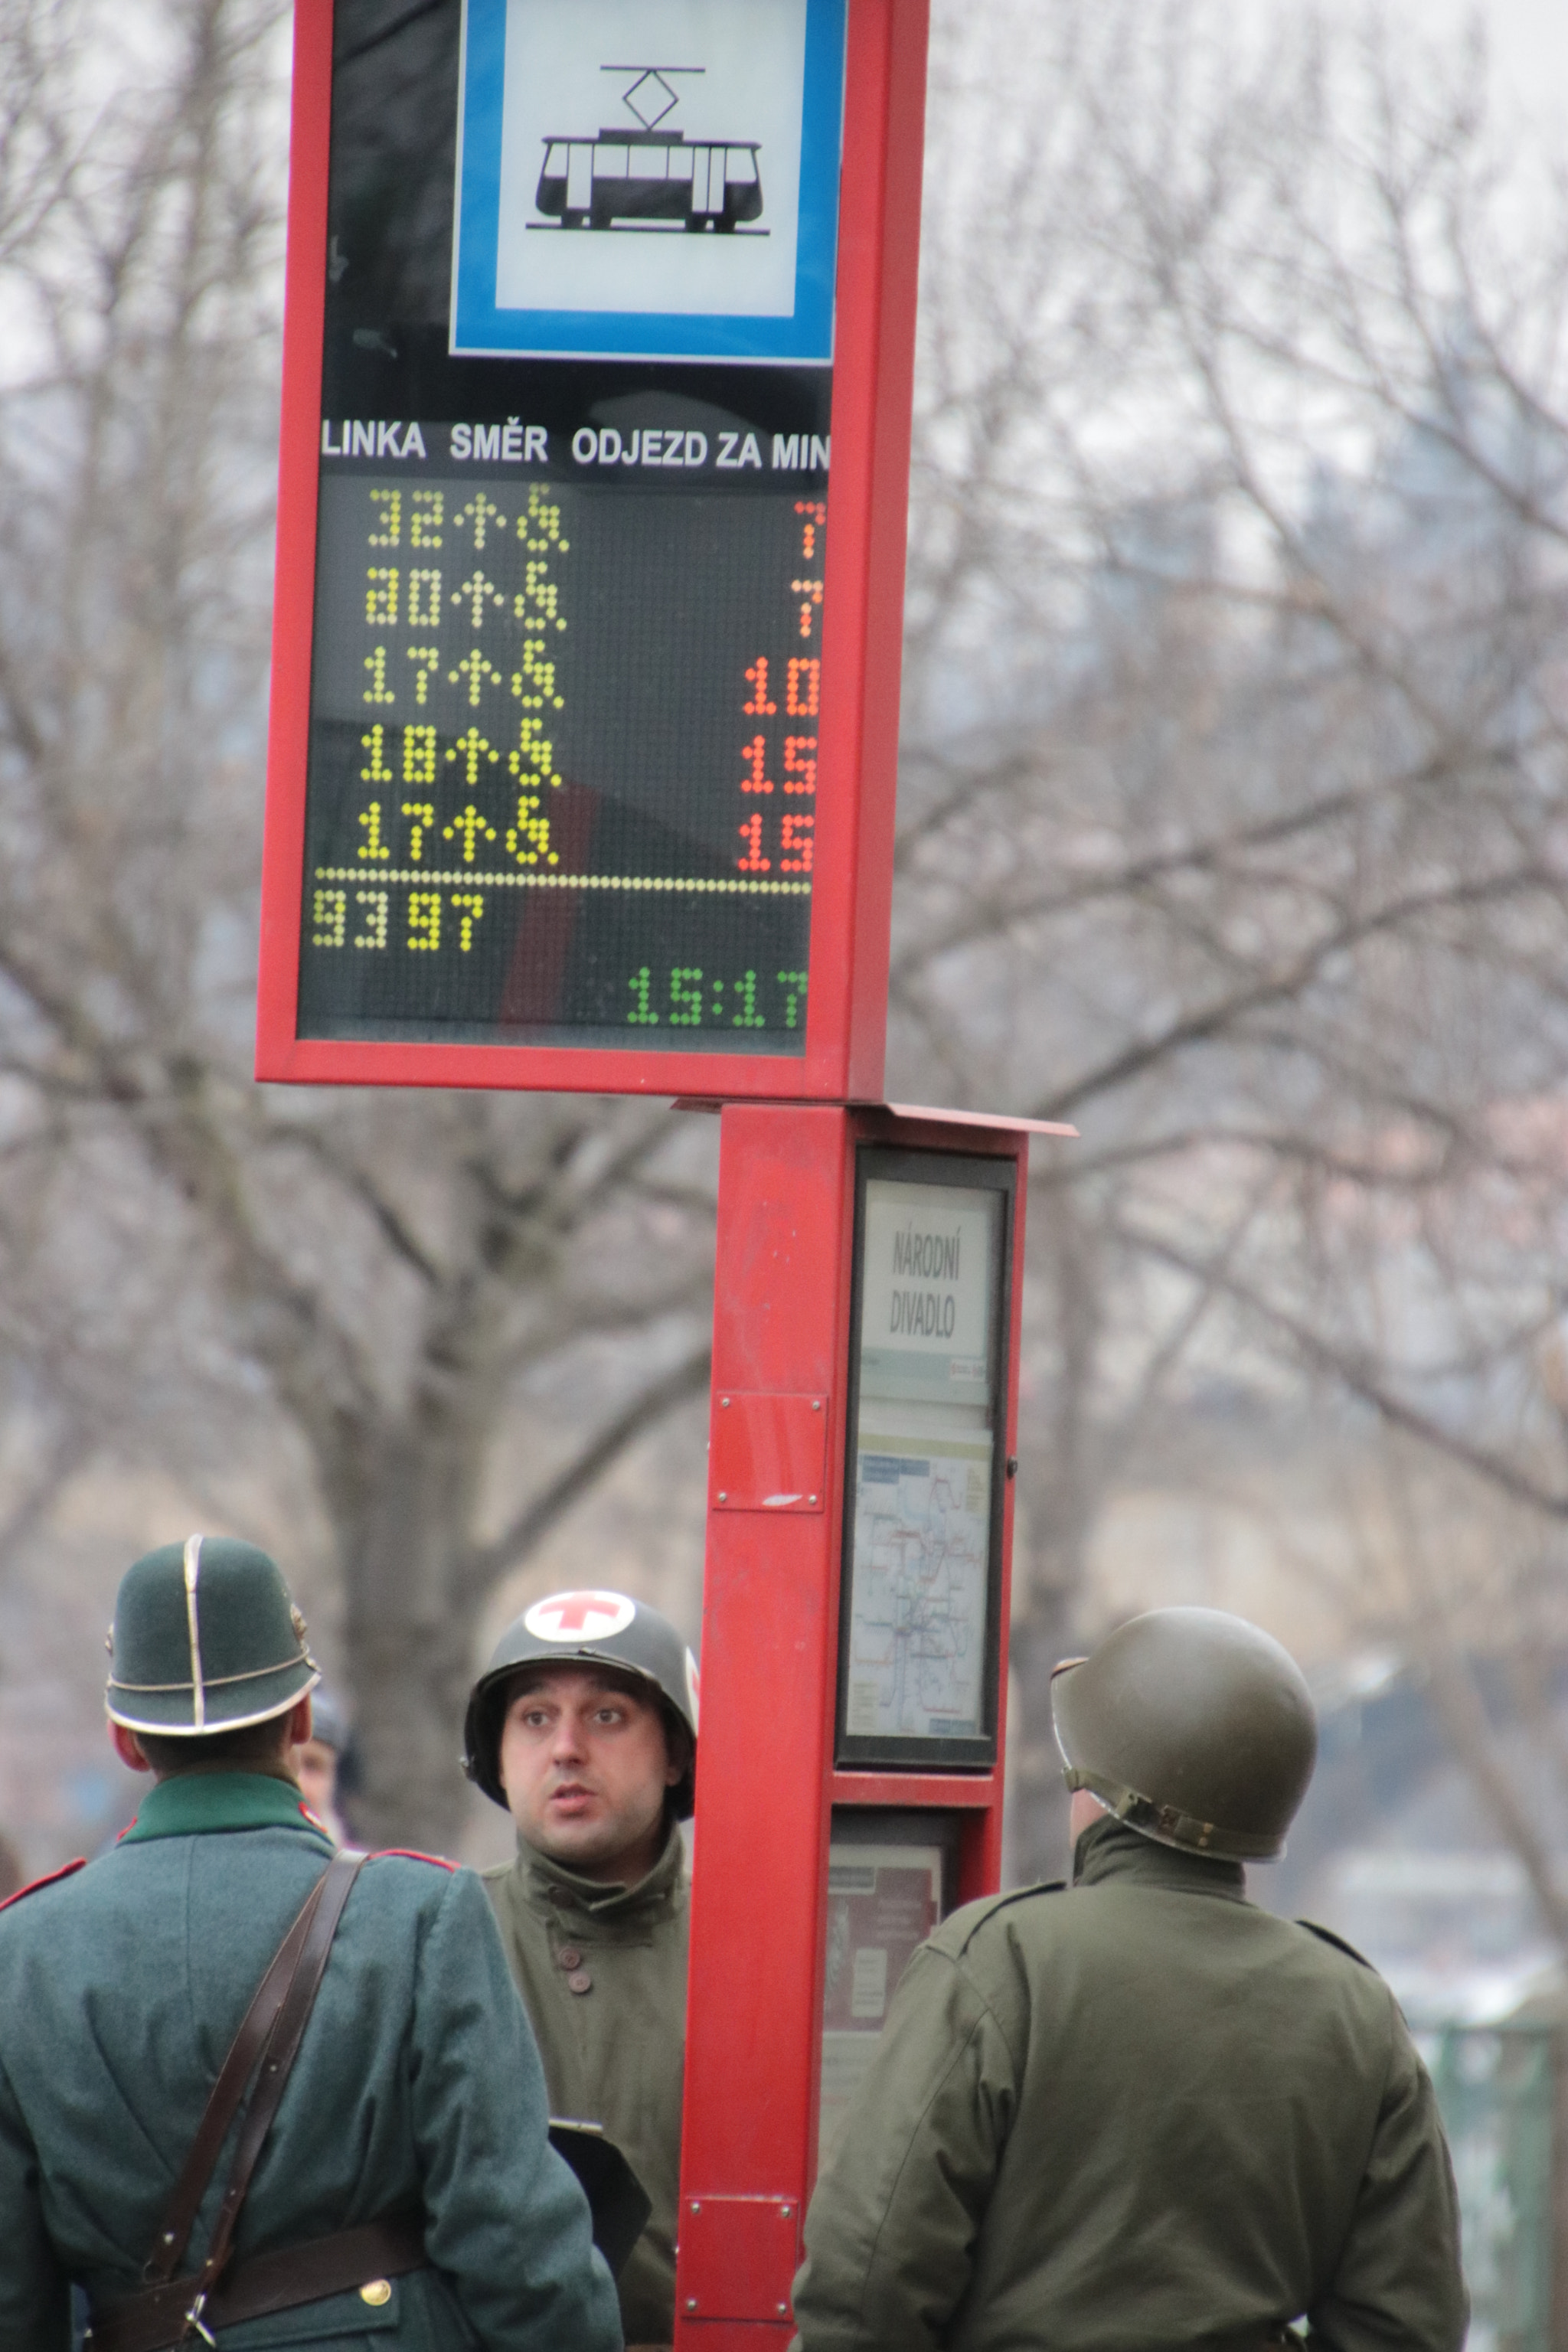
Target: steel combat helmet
(1194,1728)
(569,1629)
(206,1638)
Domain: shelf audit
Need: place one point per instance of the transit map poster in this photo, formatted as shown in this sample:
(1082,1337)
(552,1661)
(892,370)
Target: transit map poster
(924,1451)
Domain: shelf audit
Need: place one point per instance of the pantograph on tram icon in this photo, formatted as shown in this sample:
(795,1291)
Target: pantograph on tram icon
(649,178)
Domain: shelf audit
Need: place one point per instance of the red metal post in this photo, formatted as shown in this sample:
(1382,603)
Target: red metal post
(767,1782)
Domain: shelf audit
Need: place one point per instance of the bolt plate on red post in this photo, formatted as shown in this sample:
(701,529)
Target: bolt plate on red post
(768,1453)
(738,2256)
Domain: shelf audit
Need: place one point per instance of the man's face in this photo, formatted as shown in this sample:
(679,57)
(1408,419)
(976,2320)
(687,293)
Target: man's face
(316,1769)
(586,1768)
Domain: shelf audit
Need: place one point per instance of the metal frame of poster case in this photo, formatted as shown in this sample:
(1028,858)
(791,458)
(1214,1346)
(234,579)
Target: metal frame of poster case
(878,243)
(989,1173)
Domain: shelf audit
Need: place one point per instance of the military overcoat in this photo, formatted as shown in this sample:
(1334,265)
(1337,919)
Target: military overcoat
(602,1971)
(122,1987)
(1137,2116)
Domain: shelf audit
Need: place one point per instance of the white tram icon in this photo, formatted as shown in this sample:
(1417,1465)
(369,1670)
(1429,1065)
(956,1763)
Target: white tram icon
(624,178)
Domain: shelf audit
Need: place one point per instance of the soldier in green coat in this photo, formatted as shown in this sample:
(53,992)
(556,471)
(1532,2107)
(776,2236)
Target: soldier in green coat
(417,2091)
(584,1724)
(1144,2115)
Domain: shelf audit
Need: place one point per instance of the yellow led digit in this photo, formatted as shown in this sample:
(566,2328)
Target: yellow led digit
(381,595)
(423,598)
(372,845)
(419,755)
(470,907)
(330,915)
(424,920)
(373,741)
(427,660)
(424,522)
(375,933)
(390,518)
(377,690)
(423,817)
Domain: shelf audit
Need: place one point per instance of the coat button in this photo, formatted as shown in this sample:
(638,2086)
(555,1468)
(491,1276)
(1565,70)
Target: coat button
(580,1981)
(569,1956)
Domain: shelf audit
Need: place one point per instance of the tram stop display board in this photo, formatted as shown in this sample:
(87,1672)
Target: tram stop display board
(590,571)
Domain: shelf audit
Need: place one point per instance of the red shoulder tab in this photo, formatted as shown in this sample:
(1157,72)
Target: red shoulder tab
(48,1878)
(410,1854)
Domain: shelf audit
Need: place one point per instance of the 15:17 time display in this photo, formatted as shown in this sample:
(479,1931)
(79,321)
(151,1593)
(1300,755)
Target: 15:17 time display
(687,998)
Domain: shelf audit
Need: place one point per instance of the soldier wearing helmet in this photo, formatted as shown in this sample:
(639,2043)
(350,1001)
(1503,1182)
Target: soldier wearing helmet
(392,2179)
(583,1726)
(1144,2115)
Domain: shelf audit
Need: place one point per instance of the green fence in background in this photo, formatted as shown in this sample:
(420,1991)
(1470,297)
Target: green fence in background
(1496,2086)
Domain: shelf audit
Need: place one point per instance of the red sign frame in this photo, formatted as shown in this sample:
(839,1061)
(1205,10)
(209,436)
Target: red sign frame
(879,242)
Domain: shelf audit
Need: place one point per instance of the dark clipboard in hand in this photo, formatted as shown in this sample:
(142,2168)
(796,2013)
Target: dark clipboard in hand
(618,2200)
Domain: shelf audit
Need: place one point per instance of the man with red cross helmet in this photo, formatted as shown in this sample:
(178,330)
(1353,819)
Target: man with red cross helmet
(584,1726)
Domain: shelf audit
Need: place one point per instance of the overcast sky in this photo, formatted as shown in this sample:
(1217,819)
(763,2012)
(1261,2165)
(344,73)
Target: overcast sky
(1529,43)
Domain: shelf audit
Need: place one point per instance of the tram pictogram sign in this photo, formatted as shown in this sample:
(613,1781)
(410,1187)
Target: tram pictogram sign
(596,384)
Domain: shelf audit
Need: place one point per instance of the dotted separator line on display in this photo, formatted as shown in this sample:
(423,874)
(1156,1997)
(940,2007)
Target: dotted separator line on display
(467,874)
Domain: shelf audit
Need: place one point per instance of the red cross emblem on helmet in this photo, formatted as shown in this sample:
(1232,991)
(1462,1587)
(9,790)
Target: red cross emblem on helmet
(579,1616)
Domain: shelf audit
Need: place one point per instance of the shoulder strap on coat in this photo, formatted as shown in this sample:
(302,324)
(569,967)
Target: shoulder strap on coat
(269,2034)
(1327,1935)
(982,1913)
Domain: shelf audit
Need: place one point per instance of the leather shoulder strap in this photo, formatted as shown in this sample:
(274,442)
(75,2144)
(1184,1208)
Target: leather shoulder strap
(280,2009)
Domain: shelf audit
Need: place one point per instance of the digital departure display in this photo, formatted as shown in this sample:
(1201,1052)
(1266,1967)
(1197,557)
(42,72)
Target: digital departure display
(562,779)
(563,743)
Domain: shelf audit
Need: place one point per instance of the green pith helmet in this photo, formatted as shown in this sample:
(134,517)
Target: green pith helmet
(206,1638)
(573,1629)
(1191,1727)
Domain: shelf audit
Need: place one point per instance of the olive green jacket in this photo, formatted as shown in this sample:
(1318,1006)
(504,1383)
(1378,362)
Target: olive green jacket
(1134,2117)
(602,1971)
(122,1985)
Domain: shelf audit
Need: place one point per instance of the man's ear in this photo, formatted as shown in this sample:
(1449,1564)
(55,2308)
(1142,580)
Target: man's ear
(128,1748)
(299,1722)
(676,1751)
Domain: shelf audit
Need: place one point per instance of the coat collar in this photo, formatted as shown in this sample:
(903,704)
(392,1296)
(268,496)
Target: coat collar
(1109,1850)
(200,1804)
(553,1889)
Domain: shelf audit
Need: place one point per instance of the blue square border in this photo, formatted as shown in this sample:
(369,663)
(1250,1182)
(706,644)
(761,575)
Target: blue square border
(480,330)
